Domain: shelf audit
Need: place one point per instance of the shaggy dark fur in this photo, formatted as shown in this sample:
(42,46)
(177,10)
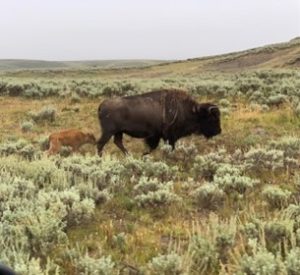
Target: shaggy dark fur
(166,114)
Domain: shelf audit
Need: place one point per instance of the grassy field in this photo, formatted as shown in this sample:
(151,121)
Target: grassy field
(229,205)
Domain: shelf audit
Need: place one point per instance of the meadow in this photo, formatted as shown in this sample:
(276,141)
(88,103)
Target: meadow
(229,205)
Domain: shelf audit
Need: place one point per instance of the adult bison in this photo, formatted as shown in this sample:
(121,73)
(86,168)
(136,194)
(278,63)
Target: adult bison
(166,114)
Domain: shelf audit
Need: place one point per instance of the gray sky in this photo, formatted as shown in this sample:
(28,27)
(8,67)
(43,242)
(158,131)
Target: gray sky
(141,29)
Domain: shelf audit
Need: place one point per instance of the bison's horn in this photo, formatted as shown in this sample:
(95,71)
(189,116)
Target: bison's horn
(212,108)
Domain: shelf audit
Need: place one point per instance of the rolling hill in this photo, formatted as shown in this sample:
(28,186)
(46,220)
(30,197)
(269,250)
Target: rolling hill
(280,55)
(23,64)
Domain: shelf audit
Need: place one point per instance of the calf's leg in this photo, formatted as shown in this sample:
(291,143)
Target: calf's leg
(54,147)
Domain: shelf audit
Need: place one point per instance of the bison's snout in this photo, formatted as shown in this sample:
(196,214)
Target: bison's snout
(210,134)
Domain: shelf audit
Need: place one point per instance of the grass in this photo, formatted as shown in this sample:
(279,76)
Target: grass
(133,235)
(150,231)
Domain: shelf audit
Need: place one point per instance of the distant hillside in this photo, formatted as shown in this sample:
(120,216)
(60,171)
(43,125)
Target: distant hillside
(20,64)
(280,55)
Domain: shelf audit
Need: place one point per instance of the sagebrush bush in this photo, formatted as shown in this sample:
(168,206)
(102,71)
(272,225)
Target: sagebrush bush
(75,98)
(20,147)
(204,256)
(290,145)
(261,262)
(292,262)
(275,196)
(26,126)
(251,230)
(150,192)
(261,159)
(47,113)
(101,266)
(170,264)
(276,234)
(183,152)
(207,165)
(209,196)
(230,179)
(28,152)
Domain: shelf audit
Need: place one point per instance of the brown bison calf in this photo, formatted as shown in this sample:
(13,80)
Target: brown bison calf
(71,137)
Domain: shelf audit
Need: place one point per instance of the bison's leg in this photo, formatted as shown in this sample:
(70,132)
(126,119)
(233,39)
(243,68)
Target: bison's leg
(171,142)
(102,141)
(118,141)
(152,142)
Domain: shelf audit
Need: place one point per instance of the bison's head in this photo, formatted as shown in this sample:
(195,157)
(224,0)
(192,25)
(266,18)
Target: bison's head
(208,116)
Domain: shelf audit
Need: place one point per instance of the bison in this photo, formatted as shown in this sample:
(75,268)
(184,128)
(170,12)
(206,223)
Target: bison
(161,114)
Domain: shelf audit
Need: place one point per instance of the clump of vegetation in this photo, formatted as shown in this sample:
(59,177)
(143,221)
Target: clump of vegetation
(27,126)
(293,261)
(290,145)
(209,196)
(75,98)
(229,179)
(150,192)
(204,256)
(261,159)
(262,262)
(20,147)
(51,207)
(48,113)
(277,234)
(170,264)
(275,196)
(85,264)
(207,165)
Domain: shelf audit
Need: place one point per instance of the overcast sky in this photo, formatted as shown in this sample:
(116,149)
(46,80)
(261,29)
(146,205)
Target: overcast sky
(141,29)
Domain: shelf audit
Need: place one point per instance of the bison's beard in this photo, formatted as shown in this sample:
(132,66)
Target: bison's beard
(211,134)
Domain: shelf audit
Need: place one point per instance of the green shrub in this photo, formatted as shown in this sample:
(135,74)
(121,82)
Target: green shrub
(204,256)
(275,196)
(261,159)
(90,266)
(207,165)
(75,98)
(48,113)
(209,196)
(293,262)
(26,126)
(288,144)
(170,264)
(229,179)
(262,262)
(150,192)
(276,233)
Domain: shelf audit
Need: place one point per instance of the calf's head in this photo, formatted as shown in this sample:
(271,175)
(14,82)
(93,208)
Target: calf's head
(208,118)
(90,138)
